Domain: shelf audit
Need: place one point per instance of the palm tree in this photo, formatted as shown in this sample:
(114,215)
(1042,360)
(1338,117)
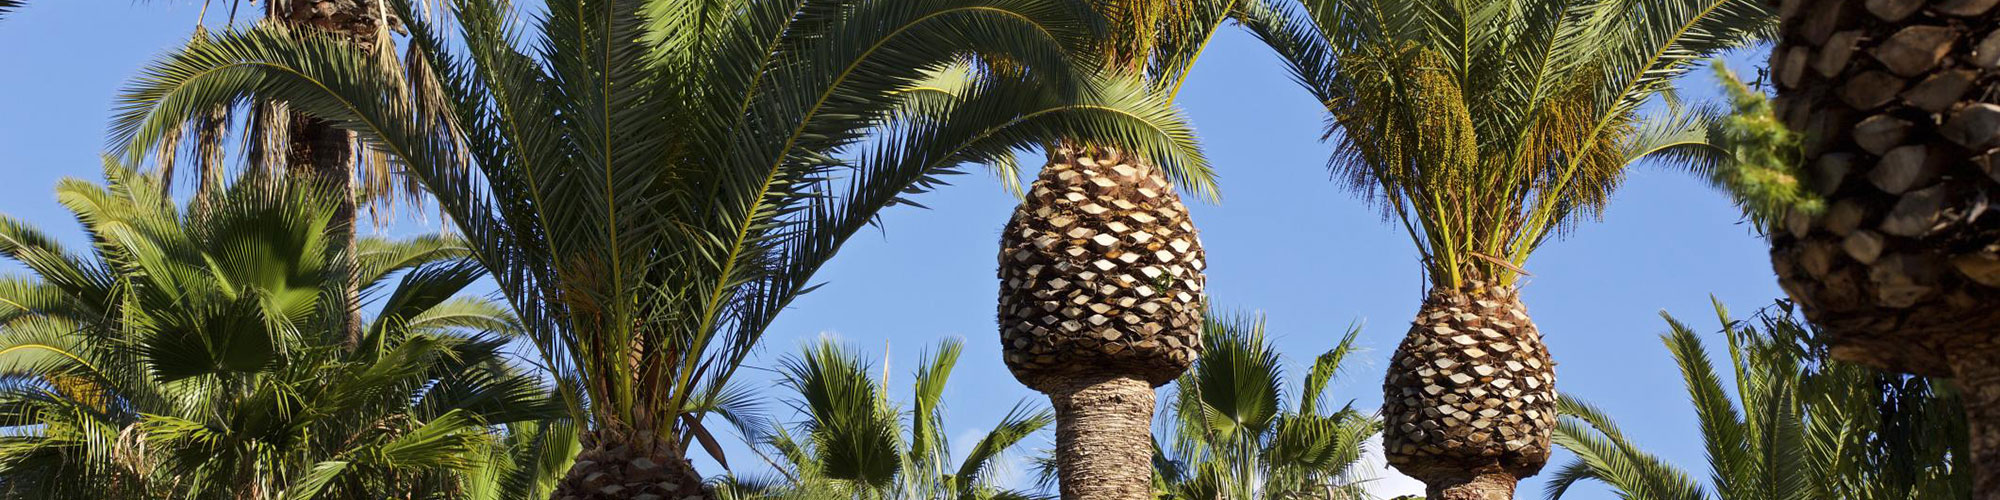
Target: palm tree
(1899,270)
(1232,435)
(659,178)
(1485,128)
(855,443)
(1799,426)
(195,354)
(1100,266)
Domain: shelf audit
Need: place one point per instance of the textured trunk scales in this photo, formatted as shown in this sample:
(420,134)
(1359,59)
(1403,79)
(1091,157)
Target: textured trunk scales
(1100,302)
(623,464)
(1469,400)
(1898,102)
(1103,428)
(1978,372)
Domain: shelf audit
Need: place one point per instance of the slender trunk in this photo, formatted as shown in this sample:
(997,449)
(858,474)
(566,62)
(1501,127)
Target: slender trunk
(1977,372)
(1489,486)
(323,155)
(319,153)
(1104,437)
(621,464)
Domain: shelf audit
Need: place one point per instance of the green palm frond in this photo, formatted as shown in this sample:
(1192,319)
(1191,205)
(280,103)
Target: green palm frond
(855,442)
(1750,155)
(199,356)
(1487,127)
(644,181)
(1795,425)
(1231,433)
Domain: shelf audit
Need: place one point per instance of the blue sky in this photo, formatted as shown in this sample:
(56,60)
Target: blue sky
(1285,240)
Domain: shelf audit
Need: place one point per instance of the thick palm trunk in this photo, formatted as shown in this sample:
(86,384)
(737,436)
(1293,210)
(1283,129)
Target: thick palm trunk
(619,464)
(1104,437)
(1100,302)
(1978,373)
(1469,400)
(1897,103)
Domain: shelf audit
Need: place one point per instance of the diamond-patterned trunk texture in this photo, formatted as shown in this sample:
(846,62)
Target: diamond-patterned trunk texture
(1897,103)
(1100,274)
(1469,400)
(1896,99)
(1100,302)
(626,465)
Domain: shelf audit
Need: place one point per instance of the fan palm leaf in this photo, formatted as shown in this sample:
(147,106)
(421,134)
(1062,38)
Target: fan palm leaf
(1235,432)
(206,362)
(856,443)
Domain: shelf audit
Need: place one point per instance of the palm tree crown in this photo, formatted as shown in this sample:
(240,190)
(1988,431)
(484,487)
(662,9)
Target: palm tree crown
(652,181)
(197,354)
(1486,127)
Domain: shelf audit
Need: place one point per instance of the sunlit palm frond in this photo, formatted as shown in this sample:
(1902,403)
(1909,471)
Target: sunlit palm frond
(650,183)
(1487,127)
(1795,425)
(1231,432)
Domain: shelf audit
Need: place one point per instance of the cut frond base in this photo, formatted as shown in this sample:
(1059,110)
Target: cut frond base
(1470,395)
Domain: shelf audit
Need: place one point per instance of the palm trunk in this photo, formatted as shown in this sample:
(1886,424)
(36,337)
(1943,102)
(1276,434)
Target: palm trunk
(1897,105)
(1469,400)
(321,154)
(623,464)
(1104,437)
(1100,301)
(1492,486)
(1978,379)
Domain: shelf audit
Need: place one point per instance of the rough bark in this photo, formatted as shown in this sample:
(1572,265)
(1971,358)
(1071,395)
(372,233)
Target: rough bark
(1976,371)
(1903,271)
(1104,440)
(1902,123)
(318,153)
(1100,302)
(1469,400)
(620,464)
(1490,486)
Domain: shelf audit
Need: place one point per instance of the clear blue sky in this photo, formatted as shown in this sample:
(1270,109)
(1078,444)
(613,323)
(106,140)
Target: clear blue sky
(1285,240)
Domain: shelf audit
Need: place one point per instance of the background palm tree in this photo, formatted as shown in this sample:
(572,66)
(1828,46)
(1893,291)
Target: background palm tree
(1232,434)
(1897,120)
(196,354)
(856,443)
(658,179)
(1100,266)
(1485,128)
(1799,426)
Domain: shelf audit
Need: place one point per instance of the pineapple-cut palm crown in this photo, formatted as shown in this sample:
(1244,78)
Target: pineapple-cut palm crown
(1486,126)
